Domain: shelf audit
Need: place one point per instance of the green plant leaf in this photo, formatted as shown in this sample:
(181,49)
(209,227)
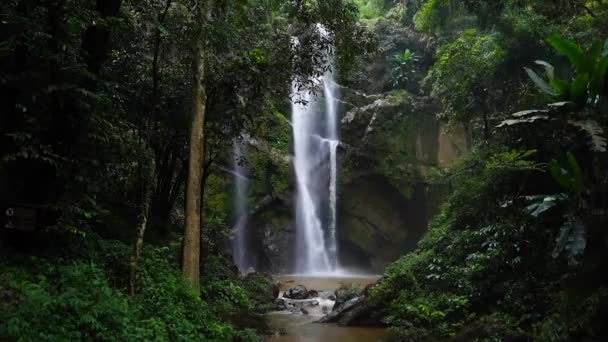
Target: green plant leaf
(549,69)
(598,79)
(592,56)
(578,88)
(567,173)
(561,104)
(560,86)
(531,119)
(530,112)
(569,49)
(540,83)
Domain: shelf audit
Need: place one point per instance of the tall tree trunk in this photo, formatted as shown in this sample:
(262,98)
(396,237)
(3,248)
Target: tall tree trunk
(192,229)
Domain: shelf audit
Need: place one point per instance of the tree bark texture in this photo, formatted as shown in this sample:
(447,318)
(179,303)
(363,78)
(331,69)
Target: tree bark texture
(192,229)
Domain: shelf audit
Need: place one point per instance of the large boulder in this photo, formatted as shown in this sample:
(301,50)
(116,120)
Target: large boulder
(359,310)
(344,294)
(298,292)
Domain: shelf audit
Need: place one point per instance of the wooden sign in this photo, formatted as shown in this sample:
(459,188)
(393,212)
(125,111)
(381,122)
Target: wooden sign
(19,218)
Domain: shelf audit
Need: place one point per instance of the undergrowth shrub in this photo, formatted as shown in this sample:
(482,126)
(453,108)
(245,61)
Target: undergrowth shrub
(85,299)
(484,270)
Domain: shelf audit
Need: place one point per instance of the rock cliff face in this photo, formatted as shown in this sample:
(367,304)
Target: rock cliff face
(377,222)
(390,138)
(273,237)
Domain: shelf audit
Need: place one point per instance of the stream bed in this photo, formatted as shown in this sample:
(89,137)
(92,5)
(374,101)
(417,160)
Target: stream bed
(296,326)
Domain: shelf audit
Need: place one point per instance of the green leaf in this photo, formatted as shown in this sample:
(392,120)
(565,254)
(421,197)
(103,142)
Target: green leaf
(528,153)
(530,112)
(561,104)
(549,69)
(592,56)
(598,80)
(605,49)
(540,83)
(578,89)
(561,87)
(567,173)
(531,119)
(569,49)
(576,171)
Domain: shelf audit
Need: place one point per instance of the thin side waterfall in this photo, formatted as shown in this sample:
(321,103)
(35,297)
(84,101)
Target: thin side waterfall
(315,133)
(239,240)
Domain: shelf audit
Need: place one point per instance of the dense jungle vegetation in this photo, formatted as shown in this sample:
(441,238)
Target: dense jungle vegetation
(118,118)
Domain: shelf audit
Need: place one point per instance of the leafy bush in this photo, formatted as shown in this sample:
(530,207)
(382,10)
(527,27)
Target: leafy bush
(68,302)
(370,9)
(85,300)
(432,15)
(464,70)
(464,268)
(572,316)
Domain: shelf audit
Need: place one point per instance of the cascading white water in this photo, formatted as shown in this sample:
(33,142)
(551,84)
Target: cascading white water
(239,239)
(333,170)
(331,101)
(315,133)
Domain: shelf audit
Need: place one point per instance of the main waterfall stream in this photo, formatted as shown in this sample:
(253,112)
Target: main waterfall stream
(315,138)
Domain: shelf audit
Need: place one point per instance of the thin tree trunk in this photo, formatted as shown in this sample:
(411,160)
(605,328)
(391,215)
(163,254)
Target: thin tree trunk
(147,177)
(192,229)
(486,126)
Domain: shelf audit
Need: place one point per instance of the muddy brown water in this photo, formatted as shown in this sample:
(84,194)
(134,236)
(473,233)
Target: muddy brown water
(301,328)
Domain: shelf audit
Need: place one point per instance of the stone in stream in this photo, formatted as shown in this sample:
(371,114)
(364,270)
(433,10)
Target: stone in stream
(294,305)
(304,311)
(298,292)
(327,295)
(358,310)
(344,294)
(280,304)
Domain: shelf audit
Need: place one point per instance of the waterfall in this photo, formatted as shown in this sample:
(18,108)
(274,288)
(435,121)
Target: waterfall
(332,243)
(239,239)
(331,96)
(315,138)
